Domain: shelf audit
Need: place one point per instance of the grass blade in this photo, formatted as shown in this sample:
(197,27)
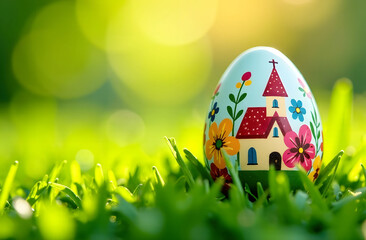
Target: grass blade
(314,193)
(173,147)
(203,170)
(98,174)
(159,179)
(324,173)
(56,171)
(7,186)
(66,190)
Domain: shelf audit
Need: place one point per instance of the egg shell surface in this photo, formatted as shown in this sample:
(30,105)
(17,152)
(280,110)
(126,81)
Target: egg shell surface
(263,113)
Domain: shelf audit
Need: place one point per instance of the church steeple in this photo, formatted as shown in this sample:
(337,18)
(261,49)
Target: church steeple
(274,85)
(275,93)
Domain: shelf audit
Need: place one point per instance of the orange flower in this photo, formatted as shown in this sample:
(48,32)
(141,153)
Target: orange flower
(220,140)
(316,166)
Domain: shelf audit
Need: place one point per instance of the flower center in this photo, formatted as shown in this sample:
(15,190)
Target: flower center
(301,150)
(213,112)
(218,144)
(298,110)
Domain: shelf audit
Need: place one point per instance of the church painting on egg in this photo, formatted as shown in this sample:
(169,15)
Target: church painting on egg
(263,126)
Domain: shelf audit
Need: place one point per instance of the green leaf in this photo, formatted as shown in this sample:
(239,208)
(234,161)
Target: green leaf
(363,171)
(66,190)
(312,129)
(359,194)
(324,172)
(158,178)
(340,115)
(232,97)
(7,186)
(173,147)
(314,193)
(239,114)
(234,174)
(318,136)
(312,116)
(203,170)
(56,171)
(125,193)
(36,191)
(230,111)
(98,175)
(75,172)
(242,97)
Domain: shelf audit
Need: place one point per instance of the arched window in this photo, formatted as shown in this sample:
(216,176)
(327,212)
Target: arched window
(275,104)
(275,132)
(252,156)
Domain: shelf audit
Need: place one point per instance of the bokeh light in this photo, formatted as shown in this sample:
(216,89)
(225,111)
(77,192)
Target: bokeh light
(175,22)
(54,58)
(94,17)
(156,72)
(125,127)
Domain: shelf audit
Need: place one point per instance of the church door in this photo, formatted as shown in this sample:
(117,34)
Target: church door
(275,159)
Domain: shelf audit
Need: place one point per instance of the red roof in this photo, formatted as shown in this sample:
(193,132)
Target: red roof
(274,86)
(256,124)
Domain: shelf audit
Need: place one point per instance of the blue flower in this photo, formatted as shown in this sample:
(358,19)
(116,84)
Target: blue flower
(297,110)
(213,112)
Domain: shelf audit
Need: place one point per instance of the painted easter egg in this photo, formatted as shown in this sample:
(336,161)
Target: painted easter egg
(263,113)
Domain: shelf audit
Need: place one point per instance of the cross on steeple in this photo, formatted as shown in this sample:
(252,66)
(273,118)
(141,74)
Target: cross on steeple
(274,63)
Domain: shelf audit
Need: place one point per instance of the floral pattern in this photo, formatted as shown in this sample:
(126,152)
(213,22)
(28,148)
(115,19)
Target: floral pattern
(300,149)
(316,166)
(297,110)
(304,89)
(221,173)
(215,110)
(219,141)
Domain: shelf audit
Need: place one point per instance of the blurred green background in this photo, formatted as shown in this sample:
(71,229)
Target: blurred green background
(105,81)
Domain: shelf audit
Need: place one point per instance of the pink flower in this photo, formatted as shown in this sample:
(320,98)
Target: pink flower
(305,88)
(300,149)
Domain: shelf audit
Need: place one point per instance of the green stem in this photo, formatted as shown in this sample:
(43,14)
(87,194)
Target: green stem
(236,104)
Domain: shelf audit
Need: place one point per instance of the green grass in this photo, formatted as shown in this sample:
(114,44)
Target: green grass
(184,203)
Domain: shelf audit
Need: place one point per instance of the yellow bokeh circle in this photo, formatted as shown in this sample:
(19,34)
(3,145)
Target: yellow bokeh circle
(155,72)
(54,58)
(175,22)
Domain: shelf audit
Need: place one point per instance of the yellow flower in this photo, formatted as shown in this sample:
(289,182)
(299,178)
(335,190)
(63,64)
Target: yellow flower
(316,166)
(238,85)
(220,140)
(247,83)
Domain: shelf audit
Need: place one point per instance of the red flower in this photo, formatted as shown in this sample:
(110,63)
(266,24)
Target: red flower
(300,149)
(246,76)
(221,173)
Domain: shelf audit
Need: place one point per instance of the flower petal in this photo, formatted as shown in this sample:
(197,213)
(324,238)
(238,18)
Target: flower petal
(293,102)
(225,128)
(217,110)
(219,159)
(306,164)
(317,163)
(213,131)
(311,151)
(231,145)
(301,117)
(299,104)
(215,105)
(209,149)
(303,110)
(292,109)
(305,134)
(290,139)
(290,158)
(294,115)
